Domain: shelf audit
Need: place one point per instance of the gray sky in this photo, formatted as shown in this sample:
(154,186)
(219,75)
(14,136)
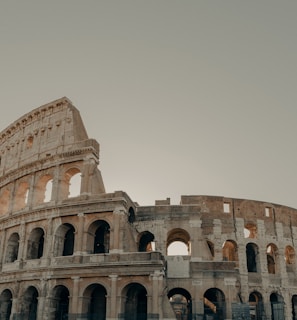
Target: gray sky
(184,97)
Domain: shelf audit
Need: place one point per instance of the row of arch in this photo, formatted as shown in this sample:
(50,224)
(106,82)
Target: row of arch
(178,243)
(42,191)
(134,305)
(64,241)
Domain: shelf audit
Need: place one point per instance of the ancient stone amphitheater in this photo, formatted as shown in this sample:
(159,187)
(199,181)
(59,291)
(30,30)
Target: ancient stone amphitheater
(82,253)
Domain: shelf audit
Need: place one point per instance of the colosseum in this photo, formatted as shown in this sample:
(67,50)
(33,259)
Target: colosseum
(70,250)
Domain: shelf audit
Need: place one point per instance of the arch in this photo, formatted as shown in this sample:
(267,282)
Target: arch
(64,240)
(43,189)
(294,307)
(60,303)
(99,237)
(131,215)
(35,244)
(290,255)
(181,303)
(95,302)
(230,251)
(29,303)
(12,249)
(5,304)
(4,201)
(252,257)
(215,303)
(73,180)
(277,306)
(146,239)
(135,302)
(211,247)
(256,306)
(178,242)
(21,197)
(272,258)
(250,231)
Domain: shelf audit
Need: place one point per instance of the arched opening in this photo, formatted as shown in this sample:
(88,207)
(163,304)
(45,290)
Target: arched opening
(95,302)
(178,242)
(250,231)
(252,257)
(131,213)
(294,307)
(21,197)
(29,302)
(146,243)
(277,306)
(73,176)
(211,247)
(99,237)
(12,249)
(35,244)
(4,201)
(272,258)
(289,256)
(60,303)
(181,303)
(43,189)
(71,184)
(64,240)
(230,252)
(214,304)
(256,306)
(135,302)
(5,304)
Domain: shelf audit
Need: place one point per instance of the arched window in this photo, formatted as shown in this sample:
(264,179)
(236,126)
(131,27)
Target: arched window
(230,252)
(21,197)
(214,304)
(294,307)
(64,240)
(178,242)
(277,307)
(181,303)
(250,231)
(12,249)
(29,302)
(135,302)
(4,201)
(60,303)
(146,242)
(131,217)
(35,244)
(5,304)
(289,255)
(252,257)
(94,304)
(70,185)
(256,306)
(99,237)
(211,247)
(43,189)
(272,258)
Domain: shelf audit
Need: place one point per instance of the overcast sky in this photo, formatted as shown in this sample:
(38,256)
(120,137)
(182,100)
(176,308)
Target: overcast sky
(184,97)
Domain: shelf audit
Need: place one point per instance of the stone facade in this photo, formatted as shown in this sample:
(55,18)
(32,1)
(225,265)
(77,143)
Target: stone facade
(82,253)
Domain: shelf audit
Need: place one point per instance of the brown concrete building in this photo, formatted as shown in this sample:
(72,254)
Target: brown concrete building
(87,254)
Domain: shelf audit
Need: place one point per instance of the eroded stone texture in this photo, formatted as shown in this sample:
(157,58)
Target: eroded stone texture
(82,253)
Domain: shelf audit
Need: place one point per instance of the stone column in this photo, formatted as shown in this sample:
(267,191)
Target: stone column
(79,236)
(42,300)
(14,307)
(22,241)
(117,236)
(217,231)
(113,310)
(73,303)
